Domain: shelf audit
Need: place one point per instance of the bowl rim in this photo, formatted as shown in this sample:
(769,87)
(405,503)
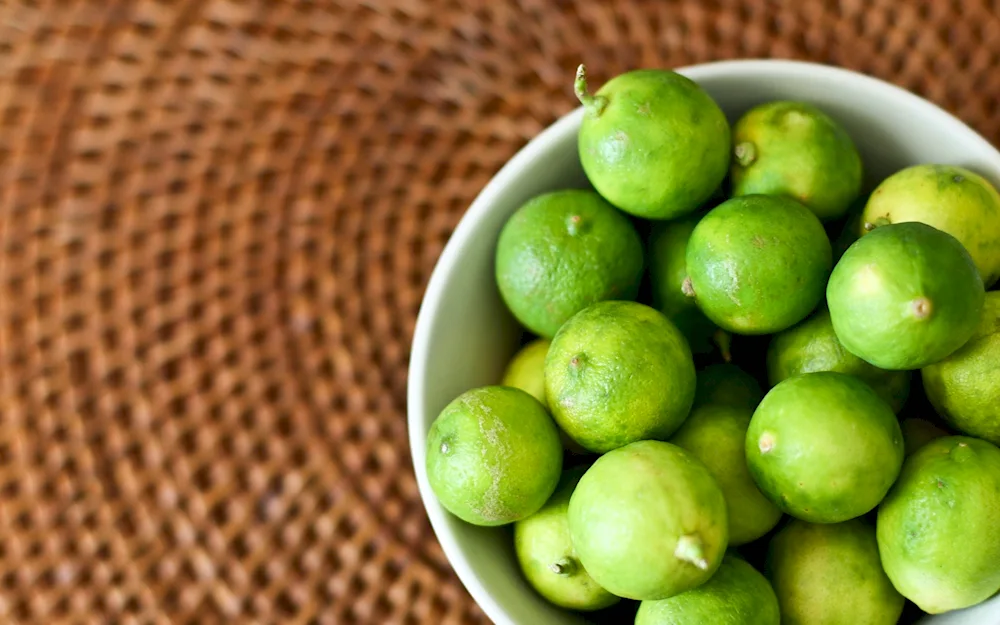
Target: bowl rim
(484,201)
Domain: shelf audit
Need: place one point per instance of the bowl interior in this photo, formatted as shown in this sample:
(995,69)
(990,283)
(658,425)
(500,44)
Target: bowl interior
(464,335)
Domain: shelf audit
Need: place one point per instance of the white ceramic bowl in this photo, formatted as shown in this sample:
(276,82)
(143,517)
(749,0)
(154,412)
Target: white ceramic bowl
(464,334)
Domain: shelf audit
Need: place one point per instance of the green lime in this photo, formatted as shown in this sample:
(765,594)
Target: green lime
(953,199)
(830,574)
(526,370)
(917,433)
(619,372)
(758,264)
(796,150)
(493,456)
(905,296)
(667,271)
(937,528)
(652,142)
(648,521)
(546,555)
(736,595)
(727,384)
(823,447)
(715,434)
(561,252)
(965,387)
(813,346)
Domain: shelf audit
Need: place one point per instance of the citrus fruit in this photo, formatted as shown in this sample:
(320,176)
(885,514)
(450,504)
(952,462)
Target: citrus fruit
(830,574)
(796,150)
(619,372)
(812,345)
(949,198)
(667,271)
(758,264)
(736,595)
(965,387)
(937,528)
(917,433)
(561,252)
(904,296)
(824,447)
(493,456)
(715,434)
(648,521)
(526,370)
(727,384)
(652,142)
(547,558)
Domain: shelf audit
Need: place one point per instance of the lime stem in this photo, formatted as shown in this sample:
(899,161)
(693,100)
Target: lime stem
(745,153)
(593,103)
(922,308)
(724,341)
(687,287)
(690,549)
(563,566)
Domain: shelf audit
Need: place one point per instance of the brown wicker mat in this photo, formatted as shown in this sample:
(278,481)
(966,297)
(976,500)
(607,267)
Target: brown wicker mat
(218,217)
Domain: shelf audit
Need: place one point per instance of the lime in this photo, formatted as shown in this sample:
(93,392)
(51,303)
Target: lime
(667,271)
(715,434)
(796,150)
(965,387)
(736,595)
(830,574)
(917,433)
(727,384)
(561,252)
(652,142)
(758,264)
(937,528)
(493,456)
(546,555)
(953,199)
(904,296)
(619,372)
(813,346)
(526,370)
(823,447)
(648,521)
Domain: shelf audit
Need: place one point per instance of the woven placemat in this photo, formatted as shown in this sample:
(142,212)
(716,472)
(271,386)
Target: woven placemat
(217,220)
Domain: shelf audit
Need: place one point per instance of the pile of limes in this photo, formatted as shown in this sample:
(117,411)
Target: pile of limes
(635,464)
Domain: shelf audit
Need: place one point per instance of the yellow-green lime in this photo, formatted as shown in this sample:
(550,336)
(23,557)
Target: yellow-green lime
(965,387)
(937,528)
(830,574)
(796,150)
(619,372)
(758,264)
(652,142)
(493,456)
(547,558)
(949,198)
(667,271)
(526,370)
(561,252)
(812,345)
(905,296)
(715,434)
(727,384)
(736,595)
(824,447)
(648,521)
